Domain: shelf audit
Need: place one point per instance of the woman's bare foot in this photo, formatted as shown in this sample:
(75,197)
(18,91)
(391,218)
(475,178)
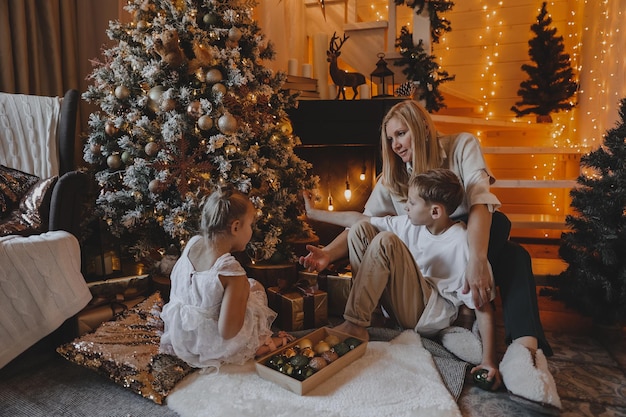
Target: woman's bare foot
(352,329)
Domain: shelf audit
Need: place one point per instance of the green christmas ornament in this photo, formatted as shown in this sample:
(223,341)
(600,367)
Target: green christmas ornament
(209,19)
(481,381)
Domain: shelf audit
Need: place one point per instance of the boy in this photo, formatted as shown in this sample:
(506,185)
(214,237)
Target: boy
(414,265)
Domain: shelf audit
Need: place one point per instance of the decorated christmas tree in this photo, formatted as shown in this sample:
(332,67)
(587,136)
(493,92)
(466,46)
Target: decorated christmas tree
(595,248)
(187,105)
(551,84)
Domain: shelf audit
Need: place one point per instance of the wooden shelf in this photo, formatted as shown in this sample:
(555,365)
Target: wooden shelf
(534,184)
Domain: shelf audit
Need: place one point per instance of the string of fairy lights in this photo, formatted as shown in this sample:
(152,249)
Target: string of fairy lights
(593,38)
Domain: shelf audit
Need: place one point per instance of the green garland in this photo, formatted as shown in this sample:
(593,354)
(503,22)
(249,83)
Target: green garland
(438,25)
(422,69)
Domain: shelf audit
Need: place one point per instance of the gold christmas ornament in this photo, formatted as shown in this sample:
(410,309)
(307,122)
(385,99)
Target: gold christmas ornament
(218,88)
(155,186)
(95,148)
(227,124)
(234,34)
(194,109)
(114,161)
(214,75)
(151,148)
(122,92)
(205,122)
(110,129)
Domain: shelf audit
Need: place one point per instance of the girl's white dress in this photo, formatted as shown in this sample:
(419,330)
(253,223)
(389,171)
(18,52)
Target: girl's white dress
(191,315)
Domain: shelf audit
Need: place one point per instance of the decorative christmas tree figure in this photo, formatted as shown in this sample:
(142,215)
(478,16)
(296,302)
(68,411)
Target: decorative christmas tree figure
(595,249)
(551,84)
(422,71)
(186,105)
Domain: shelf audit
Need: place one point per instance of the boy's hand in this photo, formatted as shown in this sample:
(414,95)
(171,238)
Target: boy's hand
(492,375)
(316,260)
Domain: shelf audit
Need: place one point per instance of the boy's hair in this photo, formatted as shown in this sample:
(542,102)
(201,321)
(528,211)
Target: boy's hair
(223,206)
(440,186)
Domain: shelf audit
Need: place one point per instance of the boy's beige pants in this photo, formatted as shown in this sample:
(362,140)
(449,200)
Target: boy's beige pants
(384,272)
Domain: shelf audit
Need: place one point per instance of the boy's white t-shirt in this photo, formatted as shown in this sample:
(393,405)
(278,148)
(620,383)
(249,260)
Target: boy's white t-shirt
(442,260)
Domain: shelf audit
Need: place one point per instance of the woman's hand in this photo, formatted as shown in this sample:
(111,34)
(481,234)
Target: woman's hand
(308,200)
(316,260)
(478,281)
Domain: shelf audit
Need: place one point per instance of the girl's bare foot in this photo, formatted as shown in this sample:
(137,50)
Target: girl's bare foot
(352,329)
(274,342)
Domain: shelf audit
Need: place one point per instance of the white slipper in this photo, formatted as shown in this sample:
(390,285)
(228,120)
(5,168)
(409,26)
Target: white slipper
(464,344)
(528,380)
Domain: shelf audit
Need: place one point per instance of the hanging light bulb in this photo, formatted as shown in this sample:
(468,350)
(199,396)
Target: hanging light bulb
(330,203)
(347,193)
(362,176)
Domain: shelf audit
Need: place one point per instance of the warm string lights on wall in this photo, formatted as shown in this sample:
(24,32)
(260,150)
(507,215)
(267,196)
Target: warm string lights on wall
(604,72)
(490,41)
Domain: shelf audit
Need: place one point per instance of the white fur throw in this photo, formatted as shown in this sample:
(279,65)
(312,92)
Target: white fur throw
(396,378)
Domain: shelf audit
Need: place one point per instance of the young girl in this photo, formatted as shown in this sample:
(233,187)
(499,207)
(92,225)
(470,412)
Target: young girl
(216,314)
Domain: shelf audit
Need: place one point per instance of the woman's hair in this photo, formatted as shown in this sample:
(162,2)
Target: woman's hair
(221,208)
(426,151)
(441,186)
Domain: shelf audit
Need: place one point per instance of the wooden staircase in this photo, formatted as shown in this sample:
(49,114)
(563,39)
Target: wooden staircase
(534,177)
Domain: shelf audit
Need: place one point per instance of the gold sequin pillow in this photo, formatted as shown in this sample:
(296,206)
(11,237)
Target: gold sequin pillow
(126,350)
(13,185)
(32,214)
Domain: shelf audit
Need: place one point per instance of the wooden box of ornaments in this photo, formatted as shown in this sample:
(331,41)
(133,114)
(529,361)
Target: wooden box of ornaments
(305,363)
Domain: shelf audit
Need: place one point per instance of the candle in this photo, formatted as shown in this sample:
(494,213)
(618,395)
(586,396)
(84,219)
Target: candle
(332,91)
(292,66)
(320,65)
(307,70)
(364,92)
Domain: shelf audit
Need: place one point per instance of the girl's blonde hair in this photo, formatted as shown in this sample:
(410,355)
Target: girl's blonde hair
(221,208)
(426,151)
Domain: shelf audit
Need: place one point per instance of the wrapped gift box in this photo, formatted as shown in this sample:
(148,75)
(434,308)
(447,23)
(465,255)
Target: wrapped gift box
(273,275)
(337,286)
(89,319)
(118,289)
(298,311)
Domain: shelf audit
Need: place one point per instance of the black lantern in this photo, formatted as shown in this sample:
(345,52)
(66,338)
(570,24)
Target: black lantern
(379,76)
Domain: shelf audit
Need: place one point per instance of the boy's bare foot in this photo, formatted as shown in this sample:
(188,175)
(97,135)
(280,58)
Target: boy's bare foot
(352,329)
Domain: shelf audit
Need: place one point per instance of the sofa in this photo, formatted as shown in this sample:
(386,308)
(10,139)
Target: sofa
(37,139)
(41,202)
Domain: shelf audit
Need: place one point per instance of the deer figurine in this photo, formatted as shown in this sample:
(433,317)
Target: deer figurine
(340,77)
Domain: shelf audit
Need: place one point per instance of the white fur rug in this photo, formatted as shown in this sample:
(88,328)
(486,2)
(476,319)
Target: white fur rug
(396,378)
